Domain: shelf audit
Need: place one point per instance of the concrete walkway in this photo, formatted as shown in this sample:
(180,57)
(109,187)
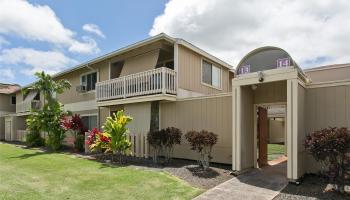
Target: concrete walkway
(264,184)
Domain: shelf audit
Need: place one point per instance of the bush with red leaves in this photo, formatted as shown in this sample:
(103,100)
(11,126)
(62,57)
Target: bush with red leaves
(331,147)
(163,141)
(202,142)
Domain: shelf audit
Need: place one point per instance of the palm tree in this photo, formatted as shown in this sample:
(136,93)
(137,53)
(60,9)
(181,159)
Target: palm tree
(50,115)
(48,86)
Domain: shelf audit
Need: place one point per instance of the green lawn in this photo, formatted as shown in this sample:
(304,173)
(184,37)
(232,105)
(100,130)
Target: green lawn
(274,151)
(32,174)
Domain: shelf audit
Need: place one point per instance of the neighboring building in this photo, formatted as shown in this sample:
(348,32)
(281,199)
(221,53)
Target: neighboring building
(7,105)
(164,81)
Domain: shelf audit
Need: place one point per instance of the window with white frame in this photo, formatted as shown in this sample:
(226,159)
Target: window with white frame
(89,122)
(211,74)
(89,81)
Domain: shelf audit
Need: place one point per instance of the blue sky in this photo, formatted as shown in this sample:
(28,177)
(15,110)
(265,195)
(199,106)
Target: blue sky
(53,35)
(122,22)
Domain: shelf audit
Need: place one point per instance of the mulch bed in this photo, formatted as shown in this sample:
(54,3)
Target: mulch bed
(311,187)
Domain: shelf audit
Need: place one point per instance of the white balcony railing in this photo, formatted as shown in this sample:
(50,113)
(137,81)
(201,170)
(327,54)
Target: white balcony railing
(27,106)
(155,81)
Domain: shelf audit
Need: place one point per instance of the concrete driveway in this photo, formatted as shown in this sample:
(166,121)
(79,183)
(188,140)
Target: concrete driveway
(264,184)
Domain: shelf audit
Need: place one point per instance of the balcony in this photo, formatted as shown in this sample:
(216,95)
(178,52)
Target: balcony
(27,106)
(156,81)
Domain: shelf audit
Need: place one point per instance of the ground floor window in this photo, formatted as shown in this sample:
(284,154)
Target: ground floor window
(89,122)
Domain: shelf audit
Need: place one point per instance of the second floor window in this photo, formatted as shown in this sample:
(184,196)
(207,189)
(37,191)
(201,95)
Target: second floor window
(89,81)
(211,74)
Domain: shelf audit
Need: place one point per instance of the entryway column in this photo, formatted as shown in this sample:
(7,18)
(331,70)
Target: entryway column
(236,126)
(292,129)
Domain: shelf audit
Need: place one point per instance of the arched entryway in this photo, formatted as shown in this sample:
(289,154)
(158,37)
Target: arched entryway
(267,76)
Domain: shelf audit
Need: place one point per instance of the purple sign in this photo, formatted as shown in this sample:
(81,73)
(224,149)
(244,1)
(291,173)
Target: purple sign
(283,62)
(244,69)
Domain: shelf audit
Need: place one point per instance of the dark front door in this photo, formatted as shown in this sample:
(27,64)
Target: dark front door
(262,136)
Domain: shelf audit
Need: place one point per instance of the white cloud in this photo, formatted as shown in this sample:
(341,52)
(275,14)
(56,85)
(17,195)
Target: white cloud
(93,28)
(314,32)
(3,41)
(39,23)
(88,46)
(6,75)
(31,61)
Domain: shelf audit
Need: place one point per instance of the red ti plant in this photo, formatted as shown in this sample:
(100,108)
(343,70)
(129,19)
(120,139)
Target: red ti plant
(75,124)
(98,141)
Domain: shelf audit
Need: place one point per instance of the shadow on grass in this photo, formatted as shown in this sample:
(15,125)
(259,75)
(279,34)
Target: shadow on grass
(30,155)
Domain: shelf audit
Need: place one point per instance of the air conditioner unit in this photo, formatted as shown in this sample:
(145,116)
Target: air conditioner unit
(81,88)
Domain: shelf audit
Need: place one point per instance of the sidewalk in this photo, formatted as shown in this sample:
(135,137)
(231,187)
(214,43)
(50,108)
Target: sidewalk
(264,184)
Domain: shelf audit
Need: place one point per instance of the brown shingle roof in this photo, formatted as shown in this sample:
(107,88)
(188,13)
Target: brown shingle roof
(8,88)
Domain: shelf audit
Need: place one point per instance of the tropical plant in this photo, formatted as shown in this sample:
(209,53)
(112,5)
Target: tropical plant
(331,147)
(49,117)
(202,142)
(114,138)
(115,128)
(75,125)
(163,142)
(33,138)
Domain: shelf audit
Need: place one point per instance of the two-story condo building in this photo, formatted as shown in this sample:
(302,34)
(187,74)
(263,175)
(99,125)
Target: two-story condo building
(164,81)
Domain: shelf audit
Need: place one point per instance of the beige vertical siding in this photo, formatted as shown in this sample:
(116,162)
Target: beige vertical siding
(5,103)
(140,63)
(71,95)
(247,125)
(301,130)
(271,92)
(190,76)
(104,112)
(329,74)
(276,130)
(2,128)
(212,114)
(141,113)
(325,107)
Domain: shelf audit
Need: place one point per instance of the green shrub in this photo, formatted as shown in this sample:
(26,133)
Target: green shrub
(34,139)
(79,143)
